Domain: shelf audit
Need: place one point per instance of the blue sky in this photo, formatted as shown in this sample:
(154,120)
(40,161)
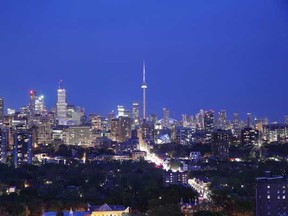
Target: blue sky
(208,54)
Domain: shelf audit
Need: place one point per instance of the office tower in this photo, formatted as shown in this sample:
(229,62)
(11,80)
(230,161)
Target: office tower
(39,105)
(78,135)
(44,131)
(222,120)
(144,87)
(165,117)
(115,129)
(249,119)
(220,144)
(121,129)
(275,133)
(96,122)
(249,136)
(22,147)
(125,129)
(235,120)
(1,111)
(70,110)
(208,124)
(199,120)
(61,105)
(11,111)
(271,194)
(147,129)
(120,110)
(4,144)
(135,114)
(184,120)
(33,97)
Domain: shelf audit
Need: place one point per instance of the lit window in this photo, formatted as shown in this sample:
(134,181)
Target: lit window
(268,196)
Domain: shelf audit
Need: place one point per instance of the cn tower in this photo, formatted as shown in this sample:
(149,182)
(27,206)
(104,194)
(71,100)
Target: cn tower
(144,86)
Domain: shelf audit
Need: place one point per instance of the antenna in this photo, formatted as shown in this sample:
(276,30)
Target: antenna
(144,71)
(60,84)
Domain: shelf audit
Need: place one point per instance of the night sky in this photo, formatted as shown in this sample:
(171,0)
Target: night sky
(210,54)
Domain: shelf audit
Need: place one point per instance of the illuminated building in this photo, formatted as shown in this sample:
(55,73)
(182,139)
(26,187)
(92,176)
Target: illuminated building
(220,144)
(39,105)
(78,135)
(33,96)
(135,114)
(1,111)
(4,144)
(271,196)
(222,120)
(249,119)
(147,129)
(170,177)
(115,129)
(121,110)
(44,131)
(144,87)
(61,105)
(22,147)
(208,124)
(235,120)
(165,121)
(96,122)
(275,133)
(121,129)
(249,136)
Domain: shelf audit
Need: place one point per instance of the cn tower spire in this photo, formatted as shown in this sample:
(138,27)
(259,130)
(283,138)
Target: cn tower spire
(144,86)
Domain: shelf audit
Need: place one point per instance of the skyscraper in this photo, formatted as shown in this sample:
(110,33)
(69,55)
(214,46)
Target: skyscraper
(22,147)
(61,105)
(135,113)
(39,105)
(165,117)
(209,124)
(33,96)
(144,87)
(1,110)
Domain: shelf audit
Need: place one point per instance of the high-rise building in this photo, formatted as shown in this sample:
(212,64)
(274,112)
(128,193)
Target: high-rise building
(135,114)
(78,135)
(271,194)
(249,136)
(165,121)
(147,128)
(39,105)
(235,120)
(33,97)
(220,144)
(22,147)
(222,120)
(61,105)
(208,124)
(121,129)
(249,119)
(1,111)
(4,144)
(44,130)
(144,87)
(96,122)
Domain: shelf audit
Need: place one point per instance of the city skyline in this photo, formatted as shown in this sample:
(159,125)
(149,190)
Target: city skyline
(194,57)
